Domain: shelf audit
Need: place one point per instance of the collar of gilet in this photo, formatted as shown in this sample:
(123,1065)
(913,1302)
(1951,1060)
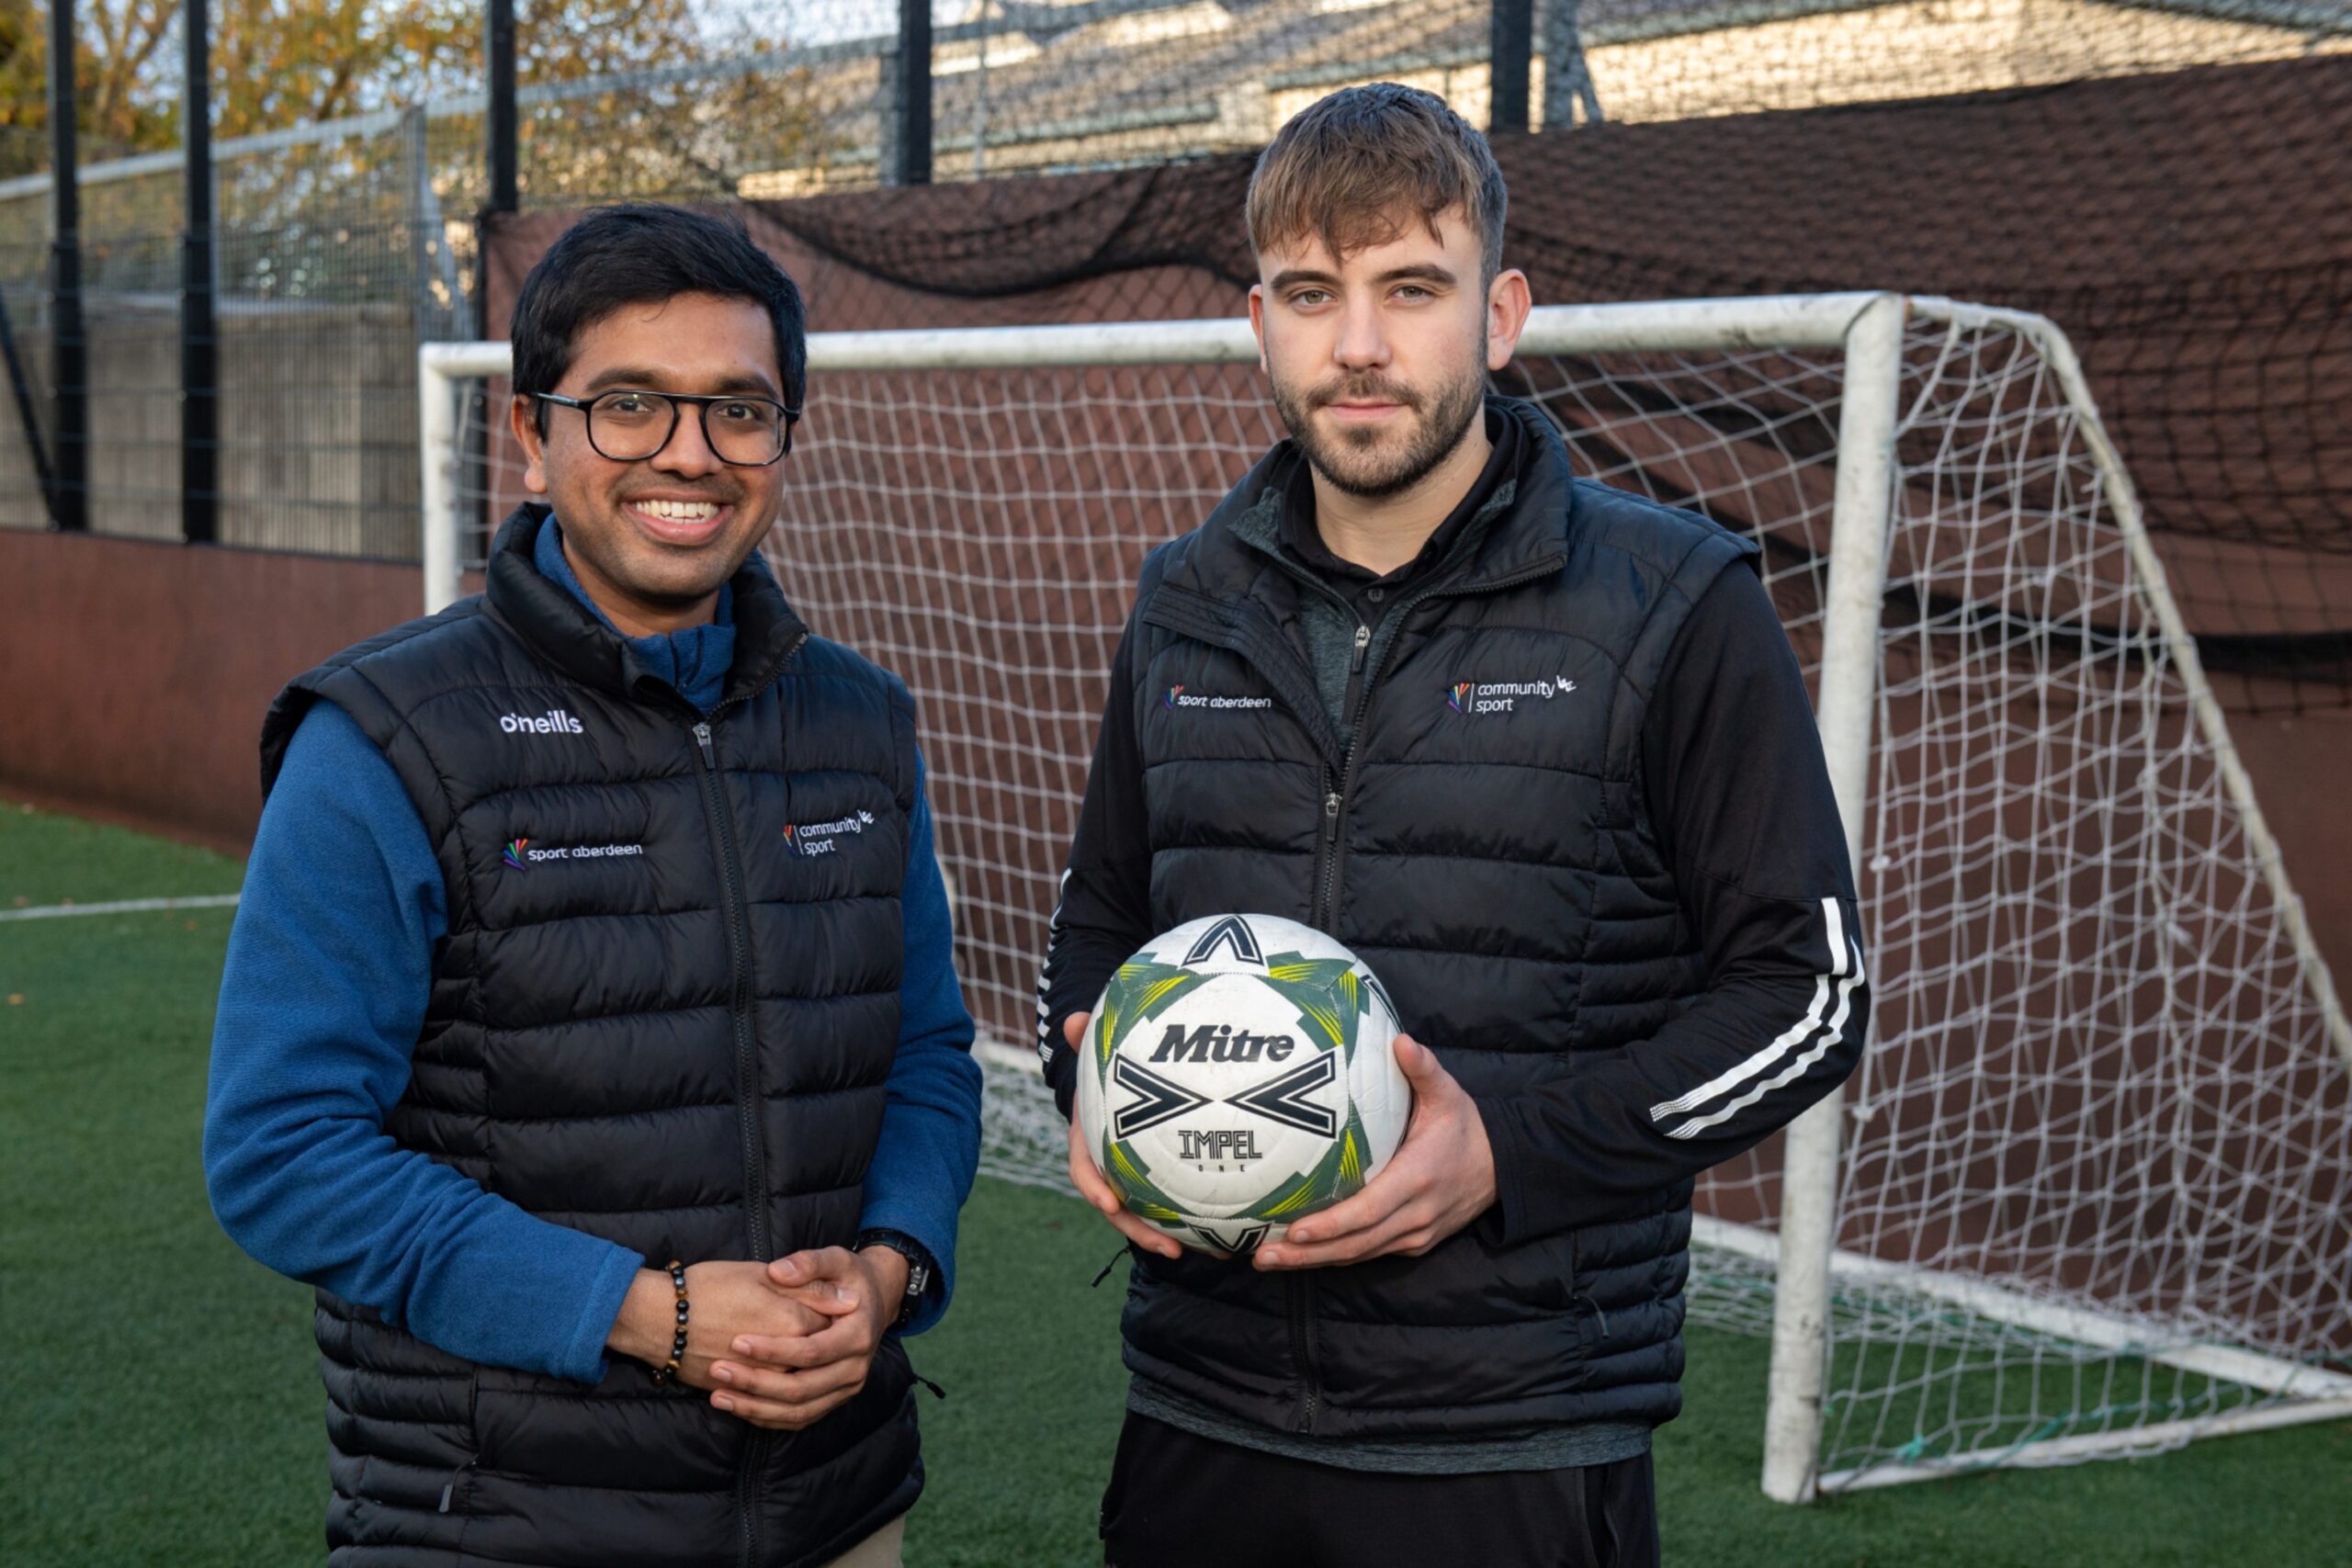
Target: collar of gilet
(565,633)
(1535,511)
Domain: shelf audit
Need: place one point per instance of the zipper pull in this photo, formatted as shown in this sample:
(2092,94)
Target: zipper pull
(1122,1252)
(450,1485)
(710,754)
(1364,640)
(1331,815)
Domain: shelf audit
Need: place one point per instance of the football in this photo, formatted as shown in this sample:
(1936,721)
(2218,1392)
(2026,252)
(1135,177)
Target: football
(1240,1074)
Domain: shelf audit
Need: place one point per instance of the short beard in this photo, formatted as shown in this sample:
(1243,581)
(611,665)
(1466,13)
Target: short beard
(1353,463)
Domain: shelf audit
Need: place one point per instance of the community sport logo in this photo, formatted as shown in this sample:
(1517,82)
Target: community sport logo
(809,840)
(1503,696)
(1179,700)
(520,856)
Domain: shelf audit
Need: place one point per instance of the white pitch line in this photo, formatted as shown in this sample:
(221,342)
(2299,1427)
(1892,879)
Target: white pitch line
(122,907)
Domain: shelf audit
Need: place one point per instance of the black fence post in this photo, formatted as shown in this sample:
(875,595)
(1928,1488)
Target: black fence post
(1511,61)
(69,379)
(199,343)
(505,196)
(912,143)
(499,149)
(505,182)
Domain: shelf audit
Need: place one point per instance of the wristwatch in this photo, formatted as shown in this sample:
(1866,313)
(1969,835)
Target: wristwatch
(919,1268)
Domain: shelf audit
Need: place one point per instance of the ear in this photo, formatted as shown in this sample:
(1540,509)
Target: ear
(1258,323)
(522,419)
(1507,302)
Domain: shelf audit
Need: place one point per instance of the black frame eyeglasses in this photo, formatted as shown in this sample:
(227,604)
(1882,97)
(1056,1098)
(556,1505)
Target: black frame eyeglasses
(622,435)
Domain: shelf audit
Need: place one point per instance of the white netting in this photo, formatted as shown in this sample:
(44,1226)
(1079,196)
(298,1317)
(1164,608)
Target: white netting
(2100,1121)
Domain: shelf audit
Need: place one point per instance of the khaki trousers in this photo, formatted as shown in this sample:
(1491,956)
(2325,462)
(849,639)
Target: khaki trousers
(880,1549)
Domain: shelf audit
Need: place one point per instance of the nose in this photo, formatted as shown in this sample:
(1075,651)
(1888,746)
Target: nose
(687,453)
(1363,342)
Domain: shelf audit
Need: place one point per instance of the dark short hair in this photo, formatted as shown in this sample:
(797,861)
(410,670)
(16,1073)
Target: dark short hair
(639,253)
(1354,169)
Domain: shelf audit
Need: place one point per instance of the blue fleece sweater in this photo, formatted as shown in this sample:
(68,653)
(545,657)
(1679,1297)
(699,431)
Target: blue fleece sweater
(321,1000)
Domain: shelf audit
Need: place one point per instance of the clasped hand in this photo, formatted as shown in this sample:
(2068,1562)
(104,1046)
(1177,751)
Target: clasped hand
(779,1344)
(1441,1177)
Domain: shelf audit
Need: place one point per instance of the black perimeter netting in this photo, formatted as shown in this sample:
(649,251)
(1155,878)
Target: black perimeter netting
(2191,229)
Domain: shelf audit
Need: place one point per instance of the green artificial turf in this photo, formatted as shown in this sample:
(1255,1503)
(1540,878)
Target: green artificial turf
(162,1405)
(47,859)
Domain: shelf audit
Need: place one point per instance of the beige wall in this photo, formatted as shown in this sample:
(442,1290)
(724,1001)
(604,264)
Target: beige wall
(318,424)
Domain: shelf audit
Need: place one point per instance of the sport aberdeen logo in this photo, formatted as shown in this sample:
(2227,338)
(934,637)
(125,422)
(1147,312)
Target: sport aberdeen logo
(520,855)
(1177,702)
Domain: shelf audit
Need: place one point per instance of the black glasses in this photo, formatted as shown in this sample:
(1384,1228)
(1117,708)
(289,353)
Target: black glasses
(629,426)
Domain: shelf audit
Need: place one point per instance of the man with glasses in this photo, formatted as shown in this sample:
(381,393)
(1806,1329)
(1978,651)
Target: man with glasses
(589,1035)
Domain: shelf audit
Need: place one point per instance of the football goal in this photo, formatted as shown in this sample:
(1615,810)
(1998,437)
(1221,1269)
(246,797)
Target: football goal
(2089,1192)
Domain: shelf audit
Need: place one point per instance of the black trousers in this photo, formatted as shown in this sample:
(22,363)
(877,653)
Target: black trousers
(1179,1501)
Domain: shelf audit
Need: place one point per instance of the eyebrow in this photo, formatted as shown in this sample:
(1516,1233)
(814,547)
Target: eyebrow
(1292,276)
(653,380)
(1419,272)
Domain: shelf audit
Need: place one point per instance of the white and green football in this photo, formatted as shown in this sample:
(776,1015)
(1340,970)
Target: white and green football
(1240,1073)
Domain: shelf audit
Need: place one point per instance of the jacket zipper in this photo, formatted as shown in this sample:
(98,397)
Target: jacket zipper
(747,1086)
(1335,801)
(1335,793)
(739,958)
(1302,1349)
(1327,899)
(747,1495)
(747,1066)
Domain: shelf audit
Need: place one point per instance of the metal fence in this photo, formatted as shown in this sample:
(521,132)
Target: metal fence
(334,254)
(340,246)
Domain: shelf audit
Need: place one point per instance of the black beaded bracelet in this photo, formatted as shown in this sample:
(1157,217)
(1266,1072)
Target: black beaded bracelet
(665,1373)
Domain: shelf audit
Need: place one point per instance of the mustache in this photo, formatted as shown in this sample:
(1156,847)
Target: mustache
(1371,389)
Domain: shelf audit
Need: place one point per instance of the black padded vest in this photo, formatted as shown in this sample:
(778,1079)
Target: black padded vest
(663,1014)
(1484,845)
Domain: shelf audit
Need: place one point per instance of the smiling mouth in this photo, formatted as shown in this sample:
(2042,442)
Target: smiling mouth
(678,521)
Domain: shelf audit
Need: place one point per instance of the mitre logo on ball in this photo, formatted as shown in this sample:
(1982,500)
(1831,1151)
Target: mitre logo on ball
(1240,1073)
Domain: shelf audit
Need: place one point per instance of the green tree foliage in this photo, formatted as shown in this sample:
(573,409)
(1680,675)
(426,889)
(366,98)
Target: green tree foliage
(277,64)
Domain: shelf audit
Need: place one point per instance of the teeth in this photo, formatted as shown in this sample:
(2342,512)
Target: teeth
(680,511)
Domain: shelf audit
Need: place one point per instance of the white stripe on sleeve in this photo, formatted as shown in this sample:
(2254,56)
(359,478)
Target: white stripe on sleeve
(1046,1044)
(1829,1036)
(1842,964)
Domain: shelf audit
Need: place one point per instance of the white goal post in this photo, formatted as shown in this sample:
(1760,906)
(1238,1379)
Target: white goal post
(2030,1233)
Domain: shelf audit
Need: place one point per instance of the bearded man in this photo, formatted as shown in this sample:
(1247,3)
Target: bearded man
(1538,751)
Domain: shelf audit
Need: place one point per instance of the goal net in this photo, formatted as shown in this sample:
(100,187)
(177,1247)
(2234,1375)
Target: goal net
(2089,1190)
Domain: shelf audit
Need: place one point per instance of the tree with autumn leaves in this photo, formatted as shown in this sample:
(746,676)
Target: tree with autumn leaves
(284,62)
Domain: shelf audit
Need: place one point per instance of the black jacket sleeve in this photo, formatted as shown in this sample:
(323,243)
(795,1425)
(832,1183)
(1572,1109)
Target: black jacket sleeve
(1740,799)
(1104,912)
